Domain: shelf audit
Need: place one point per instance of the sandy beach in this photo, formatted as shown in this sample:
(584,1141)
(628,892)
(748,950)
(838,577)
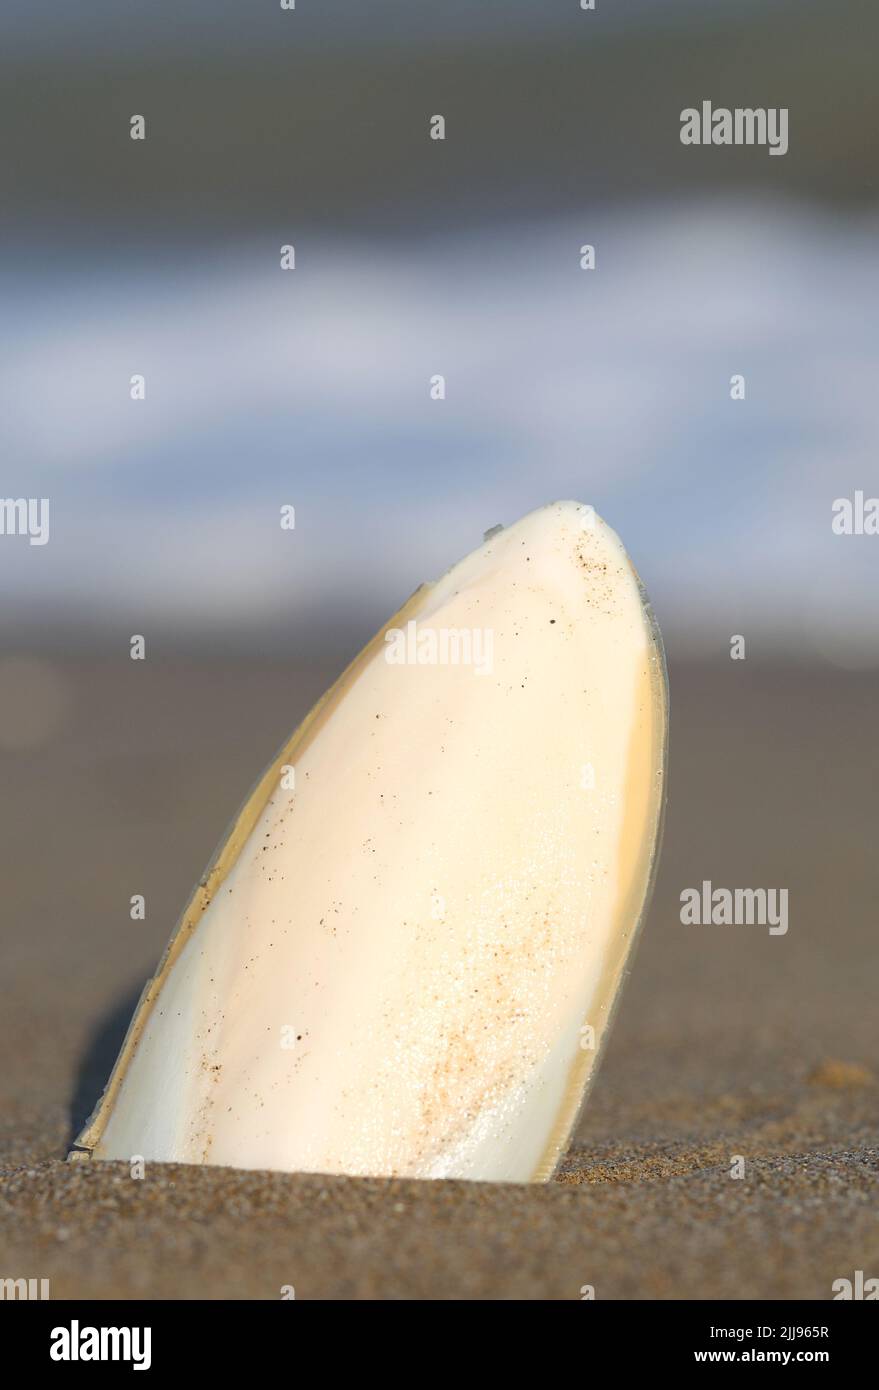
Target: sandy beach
(731,1043)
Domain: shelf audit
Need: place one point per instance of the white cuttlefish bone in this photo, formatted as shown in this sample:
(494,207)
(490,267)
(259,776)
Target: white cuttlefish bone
(405,955)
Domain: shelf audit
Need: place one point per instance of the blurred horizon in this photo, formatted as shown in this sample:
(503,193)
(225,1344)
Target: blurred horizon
(413,257)
(318,117)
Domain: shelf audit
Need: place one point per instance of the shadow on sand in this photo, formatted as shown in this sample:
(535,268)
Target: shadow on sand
(96,1063)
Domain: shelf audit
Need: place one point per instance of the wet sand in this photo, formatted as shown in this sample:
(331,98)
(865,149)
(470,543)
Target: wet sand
(729,1043)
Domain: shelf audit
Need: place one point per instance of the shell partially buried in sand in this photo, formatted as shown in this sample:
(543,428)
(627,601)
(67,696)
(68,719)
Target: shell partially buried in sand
(405,956)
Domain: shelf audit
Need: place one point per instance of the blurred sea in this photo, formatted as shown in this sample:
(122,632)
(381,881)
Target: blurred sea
(310,387)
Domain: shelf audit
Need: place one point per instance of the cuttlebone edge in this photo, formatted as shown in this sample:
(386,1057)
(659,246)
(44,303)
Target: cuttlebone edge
(578,1088)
